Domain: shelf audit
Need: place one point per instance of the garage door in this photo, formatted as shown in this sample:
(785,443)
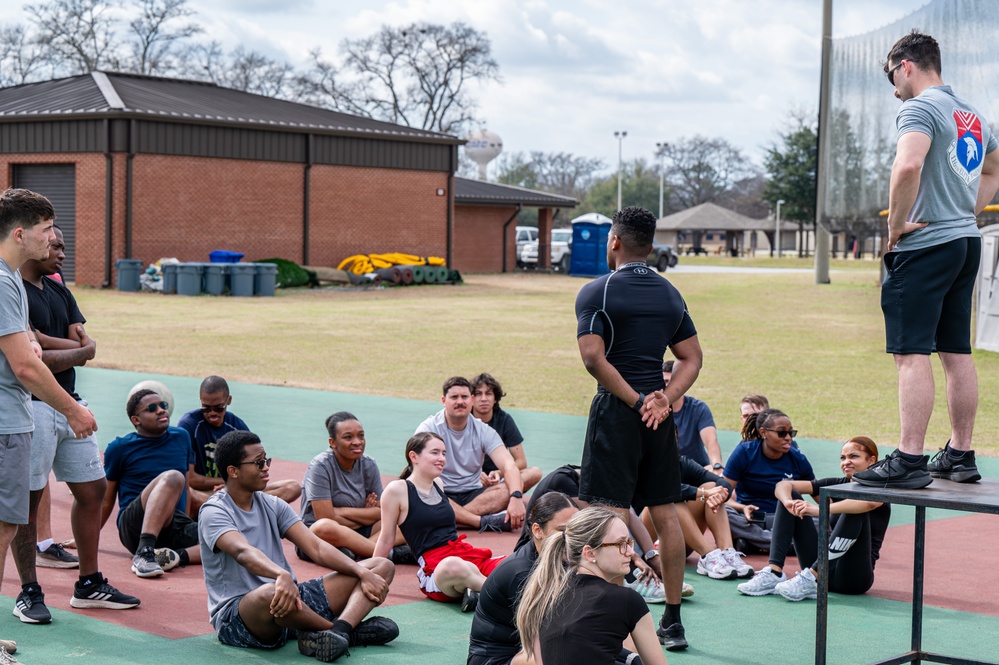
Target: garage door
(58,183)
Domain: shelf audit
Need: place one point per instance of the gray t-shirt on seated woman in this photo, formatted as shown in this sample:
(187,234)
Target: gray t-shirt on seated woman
(326,480)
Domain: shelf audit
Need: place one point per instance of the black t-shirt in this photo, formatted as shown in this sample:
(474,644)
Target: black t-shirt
(564,479)
(494,625)
(880,517)
(52,310)
(507,429)
(589,623)
(638,313)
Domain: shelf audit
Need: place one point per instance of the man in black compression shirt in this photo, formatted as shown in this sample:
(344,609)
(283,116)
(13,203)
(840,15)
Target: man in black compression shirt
(626,321)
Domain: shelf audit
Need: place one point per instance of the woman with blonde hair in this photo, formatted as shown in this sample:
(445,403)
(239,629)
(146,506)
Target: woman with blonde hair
(573,610)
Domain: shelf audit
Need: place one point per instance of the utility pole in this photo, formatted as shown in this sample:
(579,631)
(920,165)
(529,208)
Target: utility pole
(620,168)
(777,233)
(660,148)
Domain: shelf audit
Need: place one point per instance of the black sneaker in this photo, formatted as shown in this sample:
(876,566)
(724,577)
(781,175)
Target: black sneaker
(30,606)
(494,522)
(672,637)
(403,556)
(325,645)
(373,632)
(101,596)
(56,556)
(893,472)
(469,600)
(959,469)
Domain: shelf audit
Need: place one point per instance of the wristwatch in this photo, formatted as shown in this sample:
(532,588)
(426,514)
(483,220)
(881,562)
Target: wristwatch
(639,403)
(517,495)
(650,555)
(716,466)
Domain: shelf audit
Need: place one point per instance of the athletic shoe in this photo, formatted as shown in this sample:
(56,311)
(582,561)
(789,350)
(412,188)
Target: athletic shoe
(959,469)
(764,583)
(402,556)
(10,646)
(742,569)
(144,563)
(30,606)
(714,565)
(56,556)
(495,522)
(325,645)
(469,600)
(652,591)
(893,472)
(166,558)
(687,591)
(373,632)
(101,596)
(672,637)
(5,657)
(802,586)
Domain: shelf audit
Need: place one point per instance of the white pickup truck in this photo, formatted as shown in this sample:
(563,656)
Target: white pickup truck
(561,251)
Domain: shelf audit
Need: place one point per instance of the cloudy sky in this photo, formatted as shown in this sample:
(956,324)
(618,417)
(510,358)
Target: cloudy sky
(574,71)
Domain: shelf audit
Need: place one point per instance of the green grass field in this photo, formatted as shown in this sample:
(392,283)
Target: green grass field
(816,351)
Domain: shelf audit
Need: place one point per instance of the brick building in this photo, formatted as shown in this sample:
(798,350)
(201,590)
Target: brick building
(145,167)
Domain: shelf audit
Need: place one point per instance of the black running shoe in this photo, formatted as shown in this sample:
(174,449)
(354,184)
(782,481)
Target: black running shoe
(469,600)
(101,596)
(893,472)
(959,469)
(30,606)
(494,522)
(672,637)
(325,645)
(373,632)
(56,556)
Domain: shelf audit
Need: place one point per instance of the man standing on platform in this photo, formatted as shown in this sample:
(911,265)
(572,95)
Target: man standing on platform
(946,171)
(626,321)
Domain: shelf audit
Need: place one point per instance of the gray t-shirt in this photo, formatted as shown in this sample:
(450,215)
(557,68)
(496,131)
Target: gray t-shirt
(948,185)
(15,400)
(263,527)
(466,450)
(326,480)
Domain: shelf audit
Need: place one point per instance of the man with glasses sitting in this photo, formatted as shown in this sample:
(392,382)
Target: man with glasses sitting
(148,470)
(206,426)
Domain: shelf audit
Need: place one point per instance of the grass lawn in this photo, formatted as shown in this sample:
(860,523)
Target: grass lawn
(816,351)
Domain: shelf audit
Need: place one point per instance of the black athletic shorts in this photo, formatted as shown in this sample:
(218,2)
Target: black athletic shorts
(927,297)
(624,461)
(465,498)
(179,534)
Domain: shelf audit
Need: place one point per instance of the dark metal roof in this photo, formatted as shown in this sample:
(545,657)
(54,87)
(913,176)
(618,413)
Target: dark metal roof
(711,217)
(181,100)
(479,192)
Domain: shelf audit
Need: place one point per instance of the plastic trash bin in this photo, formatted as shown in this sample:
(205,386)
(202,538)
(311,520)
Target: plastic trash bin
(213,275)
(264,279)
(241,278)
(169,277)
(225,256)
(189,279)
(128,274)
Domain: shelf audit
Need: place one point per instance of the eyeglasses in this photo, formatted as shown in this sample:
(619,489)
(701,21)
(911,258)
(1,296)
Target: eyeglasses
(261,463)
(213,408)
(782,433)
(622,545)
(156,406)
(891,72)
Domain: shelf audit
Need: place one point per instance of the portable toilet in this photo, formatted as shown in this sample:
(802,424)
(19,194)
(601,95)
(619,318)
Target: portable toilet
(589,245)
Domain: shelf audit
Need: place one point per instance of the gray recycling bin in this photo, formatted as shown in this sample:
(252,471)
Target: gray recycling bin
(189,279)
(265,279)
(241,278)
(169,277)
(213,275)
(128,274)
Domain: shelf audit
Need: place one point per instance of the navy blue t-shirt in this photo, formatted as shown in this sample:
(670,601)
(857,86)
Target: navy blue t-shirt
(204,437)
(507,429)
(690,420)
(757,475)
(638,313)
(134,461)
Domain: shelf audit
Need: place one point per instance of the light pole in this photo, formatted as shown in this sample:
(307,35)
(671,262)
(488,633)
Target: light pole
(662,176)
(620,138)
(777,235)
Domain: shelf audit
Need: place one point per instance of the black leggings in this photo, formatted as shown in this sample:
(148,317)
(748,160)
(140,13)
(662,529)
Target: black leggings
(851,569)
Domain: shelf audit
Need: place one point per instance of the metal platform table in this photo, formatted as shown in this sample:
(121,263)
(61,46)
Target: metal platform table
(980,497)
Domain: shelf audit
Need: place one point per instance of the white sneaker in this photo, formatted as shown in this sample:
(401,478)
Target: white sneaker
(652,590)
(688,591)
(801,587)
(714,565)
(742,569)
(764,583)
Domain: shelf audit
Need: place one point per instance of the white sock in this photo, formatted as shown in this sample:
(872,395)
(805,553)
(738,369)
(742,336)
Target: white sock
(45,544)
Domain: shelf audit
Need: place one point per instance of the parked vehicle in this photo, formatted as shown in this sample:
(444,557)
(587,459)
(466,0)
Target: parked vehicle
(525,235)
(561,251)
(662,257)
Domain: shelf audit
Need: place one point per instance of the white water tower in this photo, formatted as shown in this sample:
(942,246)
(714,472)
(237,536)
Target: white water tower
(483,147)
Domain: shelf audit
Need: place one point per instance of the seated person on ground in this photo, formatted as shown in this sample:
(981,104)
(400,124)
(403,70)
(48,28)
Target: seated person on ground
(147,470)
(341,493)
(486,396)
(451,570)
(469,441)
(696,435)
(754,468)
(750,405)
(253,596)
(858,530)
(206,426)
(703,507)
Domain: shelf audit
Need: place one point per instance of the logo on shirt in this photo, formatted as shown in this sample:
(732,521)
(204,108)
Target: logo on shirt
(966,153)
(641,271)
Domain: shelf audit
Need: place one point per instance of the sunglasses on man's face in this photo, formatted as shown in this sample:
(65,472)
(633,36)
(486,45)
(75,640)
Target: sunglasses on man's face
(213,408)
(891,70)
(156,406)
(261,463)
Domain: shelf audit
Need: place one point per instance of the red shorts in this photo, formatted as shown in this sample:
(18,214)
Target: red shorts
(481,557)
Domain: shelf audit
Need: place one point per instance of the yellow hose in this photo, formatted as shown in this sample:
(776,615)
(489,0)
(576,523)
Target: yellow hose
(361,264)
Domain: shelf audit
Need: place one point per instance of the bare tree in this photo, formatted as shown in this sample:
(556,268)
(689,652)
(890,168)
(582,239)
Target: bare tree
(78,33)
(22,58)
(699,170)
(249,71)
(156,37)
